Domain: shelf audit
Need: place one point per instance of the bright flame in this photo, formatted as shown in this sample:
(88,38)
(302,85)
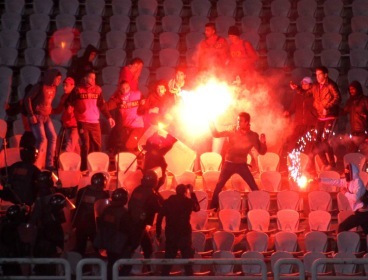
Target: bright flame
(203,105)
(302,182)
(63,44)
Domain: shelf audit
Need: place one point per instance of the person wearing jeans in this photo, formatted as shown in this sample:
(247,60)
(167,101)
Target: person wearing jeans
(38,105)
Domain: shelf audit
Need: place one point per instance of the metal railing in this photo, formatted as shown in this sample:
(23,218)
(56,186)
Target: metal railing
(277,274)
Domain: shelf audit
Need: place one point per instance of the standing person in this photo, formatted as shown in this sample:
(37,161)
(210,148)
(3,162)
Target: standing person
(84,219)
(70,134)
(242,55)
(303,113)
(241,141)
(154,109)
(113,229)
(80,66)
(38,105)
(22,176)
(354,190)
(144,203)
(129,125)
(131,73)
(213,51)
(326,101)
(357,108)
(178,231)
(88,101)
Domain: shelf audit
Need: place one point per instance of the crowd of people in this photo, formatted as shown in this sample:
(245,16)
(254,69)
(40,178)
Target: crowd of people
(123,225)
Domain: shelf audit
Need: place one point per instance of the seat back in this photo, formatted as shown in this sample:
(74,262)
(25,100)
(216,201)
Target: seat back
(230,199)
(286,241)
(210,161)
(223,240)
(319,220)
(319,200)
(259,200)
(69,161)
(288,220)
(315,241)
(256,241)
(98,161)
(258,220)
(230,219)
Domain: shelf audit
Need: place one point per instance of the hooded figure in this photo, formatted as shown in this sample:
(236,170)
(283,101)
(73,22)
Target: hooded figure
(80,66)
(354,190)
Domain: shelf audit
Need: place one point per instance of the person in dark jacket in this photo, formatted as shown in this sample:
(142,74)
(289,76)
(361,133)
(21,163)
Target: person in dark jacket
(178,231)
(326,101)
(84,218)
(143,205)
(38,104)
(357,109)
(241,141)
(113,229)
(20,186)
(80,66)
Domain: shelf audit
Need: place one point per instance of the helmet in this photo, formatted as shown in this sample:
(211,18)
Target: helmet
(44,179)
(28,154)
(57,202)
(149,179)
(99,180)
(13,212)
(121,195)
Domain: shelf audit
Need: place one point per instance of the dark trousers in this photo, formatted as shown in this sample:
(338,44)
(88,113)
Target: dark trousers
(357,219)
(90,135)
(324,130)
(229,169)
(175,243)
(82,235)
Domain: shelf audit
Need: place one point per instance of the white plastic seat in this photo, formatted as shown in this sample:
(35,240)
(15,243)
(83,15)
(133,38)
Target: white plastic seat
(115,57)
(147,7)
(319,220)
(230,220)
(286,241)
(304,40)
(119,22)
(252,269)
(332,24)
(268,162)
(145,23)
(252,37)
(200,7)
(210,161)
(210,179)
(173,7)
(357,40)
(358,58)
(198,221)
(121,7)
(187,177)
(39,22)
(197,23)
(359,8)
(223,23)
(70,7)
(187,156)
(226,8)
(8,56)
(331,40)
(251,23)
(130,180)
(108,91)
(270,181)
(10,21)
(116,39)
(143,39)
(89,37)
(252,7)
(92,22)
(319,200)
(331,58)
(143,78)
(259,200)
(239,184)
(279,24)
(223,240)
(98,161)
(284,269)
(43,6)
(192,39)
(344,269)
(305,24)
(18,127)
(332,175)
(230,199)
(355,158)
(288,220)
(256,241)
(280,8)
(276,58)
(125,160)
(95,7)
(359,24)
(65,21)
(171,23)
(9,39)
(348,242)
(224,269)
(36,39)
(202,198)
(303,58)
(288,199)
(275,41)
(30,74)
(110,75)
(306,8)
(316,241)
(14,6)
(333,7)
(258,220)
(169,57)
(342,202)
(34,56)
(169,40)
(63,38)
(308,260)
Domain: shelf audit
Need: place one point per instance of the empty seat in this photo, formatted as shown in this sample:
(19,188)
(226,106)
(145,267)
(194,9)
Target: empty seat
(279,24)
(304,40)
(147,7)
(14,6)
(169,40)
(252,7)
(70,7)
(330,58)
(331,40)
(276,58)
(251,23)
(357,40)
(192,39)
(223,23)
(280,8)
(43,6)
(39,22)
(115,57)
(171,23)
(305,24)
(9,39)
(143,39)
(251,37)
(92,22)
(359,58)
(197,23)
(121,7)
(145,22)
(34,56)
(332,24)
(95,7)
(173,7)
(200,7)
(8,56)
(116,39)
(110,75)
(275,41)
(30,75)
(90,38)
(306,8)
(120,22)
(359,24)
(226,8)
(333,7)
(10,21)
(360,8)
(144,54)
(36,39)
(358,74)
(65,21)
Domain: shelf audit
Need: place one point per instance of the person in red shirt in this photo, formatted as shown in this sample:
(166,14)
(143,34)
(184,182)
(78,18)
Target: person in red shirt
(131,73)
(242,55)
(213,51)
